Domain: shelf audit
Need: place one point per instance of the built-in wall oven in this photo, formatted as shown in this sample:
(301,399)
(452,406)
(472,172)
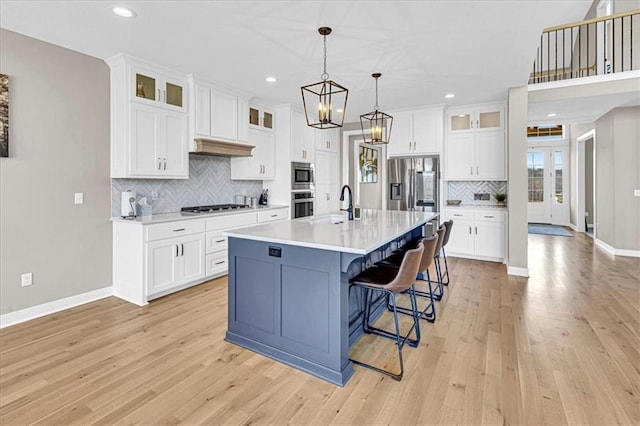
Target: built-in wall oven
(301,176)
(301,204)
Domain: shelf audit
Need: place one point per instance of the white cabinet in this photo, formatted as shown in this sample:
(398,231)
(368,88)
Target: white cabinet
(303,139)
(174,262)
(327,140)
(260,117)
(262,165)
(148,121)
(158,143)
(475,147)
(216,113)
(326,182)
(478,234)
(416,132)
(152,260)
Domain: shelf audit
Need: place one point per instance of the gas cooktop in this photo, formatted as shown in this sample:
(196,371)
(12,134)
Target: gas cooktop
(212,208)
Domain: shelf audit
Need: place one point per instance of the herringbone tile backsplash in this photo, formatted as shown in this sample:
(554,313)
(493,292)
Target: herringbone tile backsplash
(209,183)
(464,191)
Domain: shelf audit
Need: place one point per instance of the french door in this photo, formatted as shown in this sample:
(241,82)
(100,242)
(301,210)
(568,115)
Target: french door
(548,185)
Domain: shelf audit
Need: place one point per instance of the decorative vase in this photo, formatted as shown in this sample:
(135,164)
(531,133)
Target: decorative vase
(501,204)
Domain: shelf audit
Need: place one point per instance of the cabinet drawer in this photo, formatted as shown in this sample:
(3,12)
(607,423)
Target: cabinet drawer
(231,221)
(489,216)
(215,242)
(459,214)
(216,263)
(272,215)
(173,229)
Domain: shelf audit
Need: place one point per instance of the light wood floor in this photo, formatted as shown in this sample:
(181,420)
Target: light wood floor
(561,347)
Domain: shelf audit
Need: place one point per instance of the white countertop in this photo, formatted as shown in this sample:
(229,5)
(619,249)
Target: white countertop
(376,228)
(477,207)
(172,217)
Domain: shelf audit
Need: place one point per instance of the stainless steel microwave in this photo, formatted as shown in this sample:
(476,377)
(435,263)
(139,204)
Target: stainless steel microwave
(302,175)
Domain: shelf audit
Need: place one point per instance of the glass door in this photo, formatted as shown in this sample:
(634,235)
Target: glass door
(548,185)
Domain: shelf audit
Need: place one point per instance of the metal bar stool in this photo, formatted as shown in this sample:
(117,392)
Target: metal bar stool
(391,282)
(395,260)
(447,225)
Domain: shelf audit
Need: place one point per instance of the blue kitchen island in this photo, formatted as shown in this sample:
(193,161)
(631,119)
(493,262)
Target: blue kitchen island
(289,296)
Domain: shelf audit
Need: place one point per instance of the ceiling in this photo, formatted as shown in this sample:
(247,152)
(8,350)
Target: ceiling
(424,49)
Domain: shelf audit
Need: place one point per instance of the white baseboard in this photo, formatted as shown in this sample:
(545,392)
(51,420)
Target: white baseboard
(33,312)
(574,227)
(520,272)
(617,252)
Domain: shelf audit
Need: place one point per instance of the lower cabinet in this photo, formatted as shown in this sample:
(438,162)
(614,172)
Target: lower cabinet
(174,262)
(477,234)
(152,260)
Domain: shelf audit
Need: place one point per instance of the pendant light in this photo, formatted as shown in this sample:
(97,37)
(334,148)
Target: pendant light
(376,125)
(325,103)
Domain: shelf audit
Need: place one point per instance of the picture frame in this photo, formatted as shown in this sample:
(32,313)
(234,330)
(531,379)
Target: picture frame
(4,115)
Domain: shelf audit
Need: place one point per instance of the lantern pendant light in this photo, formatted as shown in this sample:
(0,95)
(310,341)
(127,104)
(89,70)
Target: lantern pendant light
(376,125)
(325,103)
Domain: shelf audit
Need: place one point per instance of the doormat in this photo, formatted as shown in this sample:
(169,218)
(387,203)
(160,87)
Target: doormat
(542,229)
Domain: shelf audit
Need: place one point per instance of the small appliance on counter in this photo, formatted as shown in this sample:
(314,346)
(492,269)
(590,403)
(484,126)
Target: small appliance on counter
(128,204)
(241,200)
(264,197)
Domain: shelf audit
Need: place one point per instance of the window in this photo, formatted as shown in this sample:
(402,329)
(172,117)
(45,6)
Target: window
(535,166)
(558,182)
(545,132)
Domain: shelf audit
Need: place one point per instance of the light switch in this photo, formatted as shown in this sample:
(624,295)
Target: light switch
(636,192)
(79,198)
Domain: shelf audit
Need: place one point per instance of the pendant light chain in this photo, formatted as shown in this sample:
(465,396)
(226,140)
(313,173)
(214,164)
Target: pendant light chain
(324,75)
(376,107)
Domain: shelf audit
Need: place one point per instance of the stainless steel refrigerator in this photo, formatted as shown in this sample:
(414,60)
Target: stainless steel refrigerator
(414,184)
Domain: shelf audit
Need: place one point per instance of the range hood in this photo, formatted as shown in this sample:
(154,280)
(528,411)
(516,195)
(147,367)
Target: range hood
(221,148)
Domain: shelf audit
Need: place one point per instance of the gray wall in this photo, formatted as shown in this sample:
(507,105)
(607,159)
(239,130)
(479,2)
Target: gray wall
(59,144)
(617,175)
(575,131)
(517,169)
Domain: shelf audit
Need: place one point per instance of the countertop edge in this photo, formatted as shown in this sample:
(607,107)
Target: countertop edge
(158,218)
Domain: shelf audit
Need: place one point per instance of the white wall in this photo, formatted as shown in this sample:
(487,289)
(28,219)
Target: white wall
(59,145)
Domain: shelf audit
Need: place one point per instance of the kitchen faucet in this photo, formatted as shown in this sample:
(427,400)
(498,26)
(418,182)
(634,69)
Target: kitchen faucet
(350,209)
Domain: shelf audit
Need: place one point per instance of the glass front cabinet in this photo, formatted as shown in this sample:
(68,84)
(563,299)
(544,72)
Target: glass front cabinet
(158,89)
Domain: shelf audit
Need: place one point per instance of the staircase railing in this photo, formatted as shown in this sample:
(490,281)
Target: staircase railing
(592,47)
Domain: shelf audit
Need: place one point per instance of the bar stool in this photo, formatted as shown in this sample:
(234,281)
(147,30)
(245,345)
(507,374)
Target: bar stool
(391,282)
(395,260)
(447,225)
(437,295)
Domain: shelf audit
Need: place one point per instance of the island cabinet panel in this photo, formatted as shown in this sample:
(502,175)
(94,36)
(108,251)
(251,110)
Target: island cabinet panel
(290,307)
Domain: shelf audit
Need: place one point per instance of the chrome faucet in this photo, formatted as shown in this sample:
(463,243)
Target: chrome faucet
(350,209)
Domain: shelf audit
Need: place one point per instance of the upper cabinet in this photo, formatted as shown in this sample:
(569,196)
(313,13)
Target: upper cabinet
(216,113)
(327,139)
(416,132)
(475,148)
(260,117)
(262,164)
(303,138)
(477,118)
(148,120)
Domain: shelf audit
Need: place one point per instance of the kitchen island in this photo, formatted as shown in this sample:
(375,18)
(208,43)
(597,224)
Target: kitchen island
(289,296)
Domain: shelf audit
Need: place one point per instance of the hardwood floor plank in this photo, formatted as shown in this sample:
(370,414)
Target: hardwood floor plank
(561,347)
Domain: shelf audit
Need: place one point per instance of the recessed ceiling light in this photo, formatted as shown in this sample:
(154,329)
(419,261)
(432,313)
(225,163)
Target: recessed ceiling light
(553,114)
(462,116)
(449,95)
(271,79)
(124,12)
(339,111)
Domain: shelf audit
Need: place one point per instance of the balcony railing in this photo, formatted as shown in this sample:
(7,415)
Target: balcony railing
(593,47)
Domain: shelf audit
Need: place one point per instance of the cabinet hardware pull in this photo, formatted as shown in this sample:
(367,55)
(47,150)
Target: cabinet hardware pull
(471,168)
(176,250)
(179,229)
(182,247)
(159,163)
(469,230)
(165,164)
(477,124)
(158,98)
(328,197)
(489,216)
(220,263)
(409,146)
(274,215)
(457,215)
(414,146)
(476,230)
(220,241)
(477,170)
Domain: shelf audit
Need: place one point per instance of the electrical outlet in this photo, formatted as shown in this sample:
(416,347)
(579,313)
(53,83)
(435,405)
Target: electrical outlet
(78,198)
(154,195)
(26,279)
